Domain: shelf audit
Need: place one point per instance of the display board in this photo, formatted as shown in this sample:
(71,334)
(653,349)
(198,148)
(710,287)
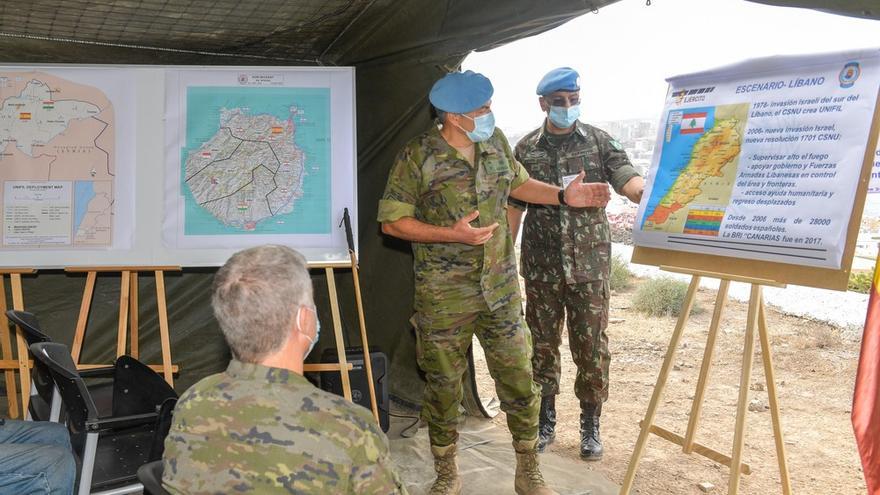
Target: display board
(149,165)
(874,186)
(761,168)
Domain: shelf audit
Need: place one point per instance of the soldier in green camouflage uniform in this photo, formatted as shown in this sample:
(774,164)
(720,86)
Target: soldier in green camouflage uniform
(566,254)
(442,182)
(260,427)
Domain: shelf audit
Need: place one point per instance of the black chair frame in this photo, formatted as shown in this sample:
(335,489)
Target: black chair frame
(106,446)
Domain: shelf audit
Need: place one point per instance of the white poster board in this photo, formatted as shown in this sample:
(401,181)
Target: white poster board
(67,148)
(874,187)
(761,160)
(146,141)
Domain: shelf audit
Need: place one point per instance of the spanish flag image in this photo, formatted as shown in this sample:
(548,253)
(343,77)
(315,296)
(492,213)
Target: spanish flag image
(24,116)
(866,397)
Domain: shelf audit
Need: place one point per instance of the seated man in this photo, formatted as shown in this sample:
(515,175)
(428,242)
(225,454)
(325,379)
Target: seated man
(35,458)
(260,426)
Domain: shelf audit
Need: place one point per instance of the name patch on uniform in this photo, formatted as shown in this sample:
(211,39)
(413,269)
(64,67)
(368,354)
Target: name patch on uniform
(494,165)
(536,155)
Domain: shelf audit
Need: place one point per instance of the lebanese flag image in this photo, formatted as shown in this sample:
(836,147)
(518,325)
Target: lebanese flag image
(693,123)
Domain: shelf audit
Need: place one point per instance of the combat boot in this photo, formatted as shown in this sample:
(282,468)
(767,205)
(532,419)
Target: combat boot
(546,422)
(446,466)
(591,443)
(529,480)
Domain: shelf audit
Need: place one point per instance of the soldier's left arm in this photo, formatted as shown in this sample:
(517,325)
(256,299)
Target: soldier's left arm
(622,176)
(577,193)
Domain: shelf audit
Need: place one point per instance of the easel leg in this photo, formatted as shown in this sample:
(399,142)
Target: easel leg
(6,342)
(770,377)
(697,406)
(124,288)
(658,388)
(133,316)
(83,319)
(337,331)
(164,336)
(745,378)
(24,370)
(368,362)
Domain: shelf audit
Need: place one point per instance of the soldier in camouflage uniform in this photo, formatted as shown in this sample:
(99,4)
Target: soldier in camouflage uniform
(260,427)
(447,193)
(566,254)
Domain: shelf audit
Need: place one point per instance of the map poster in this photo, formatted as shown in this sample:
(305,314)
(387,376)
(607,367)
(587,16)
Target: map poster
(256,156)
(66,159)
(761,160)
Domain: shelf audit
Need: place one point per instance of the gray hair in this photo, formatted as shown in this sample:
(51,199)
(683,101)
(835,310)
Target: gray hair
(256,296)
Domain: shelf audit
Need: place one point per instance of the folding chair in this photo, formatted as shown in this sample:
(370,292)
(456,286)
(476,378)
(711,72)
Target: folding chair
(45,402)
(111,449)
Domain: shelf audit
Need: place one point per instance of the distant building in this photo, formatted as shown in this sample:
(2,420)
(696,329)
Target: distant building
(637,136)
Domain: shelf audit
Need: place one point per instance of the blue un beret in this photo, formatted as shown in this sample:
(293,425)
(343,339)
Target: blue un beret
(461,92)
(561,79)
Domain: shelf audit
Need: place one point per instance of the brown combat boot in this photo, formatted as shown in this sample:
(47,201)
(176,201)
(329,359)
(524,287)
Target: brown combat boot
(447,482)
(529,480)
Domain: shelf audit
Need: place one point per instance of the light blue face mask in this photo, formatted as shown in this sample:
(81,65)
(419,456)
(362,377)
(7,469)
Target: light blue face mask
(317,332)
(484,127)
(564,117)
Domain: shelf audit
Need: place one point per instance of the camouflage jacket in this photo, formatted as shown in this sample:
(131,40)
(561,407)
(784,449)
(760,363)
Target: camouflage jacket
(433,183)
(563,243)
(255,429)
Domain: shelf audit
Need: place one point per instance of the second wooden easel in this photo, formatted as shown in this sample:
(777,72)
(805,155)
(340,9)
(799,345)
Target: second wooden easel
(756,322)
(128,313)
(343,366)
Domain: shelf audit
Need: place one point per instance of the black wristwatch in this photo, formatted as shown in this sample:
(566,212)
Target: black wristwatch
(561,196)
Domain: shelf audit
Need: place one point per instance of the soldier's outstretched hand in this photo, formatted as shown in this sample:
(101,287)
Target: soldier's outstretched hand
(474,236)
(581,194)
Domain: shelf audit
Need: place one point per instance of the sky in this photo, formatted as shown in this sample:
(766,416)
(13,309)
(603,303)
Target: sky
(625,52)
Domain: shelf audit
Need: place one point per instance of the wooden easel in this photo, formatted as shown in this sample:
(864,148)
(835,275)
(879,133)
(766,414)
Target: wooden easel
(21,363)
(343,366)
(756,320)
(128,313)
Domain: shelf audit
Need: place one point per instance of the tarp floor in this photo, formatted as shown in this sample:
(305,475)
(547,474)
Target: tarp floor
(486,462)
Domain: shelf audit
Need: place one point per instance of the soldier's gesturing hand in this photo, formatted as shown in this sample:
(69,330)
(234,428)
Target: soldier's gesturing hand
(581,194)
(474,236)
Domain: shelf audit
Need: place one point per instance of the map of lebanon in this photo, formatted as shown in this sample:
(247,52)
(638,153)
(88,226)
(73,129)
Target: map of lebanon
(57,162)
(697,170)
(256,161)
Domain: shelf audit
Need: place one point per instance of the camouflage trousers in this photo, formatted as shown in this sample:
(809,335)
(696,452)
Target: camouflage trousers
(585,308)
(442,354)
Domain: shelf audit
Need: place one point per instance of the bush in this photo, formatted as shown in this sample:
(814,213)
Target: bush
(621,277)
(661,296)
(860,282)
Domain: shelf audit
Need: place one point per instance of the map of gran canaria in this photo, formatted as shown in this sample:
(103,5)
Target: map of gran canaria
(253,158)
(697,170)
(57,162)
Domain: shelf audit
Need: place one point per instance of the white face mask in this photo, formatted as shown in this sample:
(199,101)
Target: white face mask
(484,127)
(314,341)
(564,117)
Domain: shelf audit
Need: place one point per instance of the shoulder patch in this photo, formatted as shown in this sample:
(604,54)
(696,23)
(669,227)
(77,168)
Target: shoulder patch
(615,144)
